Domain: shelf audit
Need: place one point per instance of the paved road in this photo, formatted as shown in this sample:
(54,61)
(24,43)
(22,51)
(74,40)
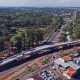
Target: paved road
(56,31)
(54,34)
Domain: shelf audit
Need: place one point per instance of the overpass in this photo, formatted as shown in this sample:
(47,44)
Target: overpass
(36,50)
(53,45)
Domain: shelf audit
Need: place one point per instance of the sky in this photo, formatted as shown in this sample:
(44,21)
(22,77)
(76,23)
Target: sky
(40,3)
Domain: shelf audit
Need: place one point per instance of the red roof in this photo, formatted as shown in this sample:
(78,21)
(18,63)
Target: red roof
(70,71)
(67,58)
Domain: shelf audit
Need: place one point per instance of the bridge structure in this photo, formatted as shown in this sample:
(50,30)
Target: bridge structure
(36,50)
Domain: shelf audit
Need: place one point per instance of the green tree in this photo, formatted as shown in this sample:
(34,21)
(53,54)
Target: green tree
(18,43)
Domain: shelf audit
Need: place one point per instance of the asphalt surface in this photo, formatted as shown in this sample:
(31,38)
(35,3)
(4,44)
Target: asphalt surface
(53,36)
(55,32)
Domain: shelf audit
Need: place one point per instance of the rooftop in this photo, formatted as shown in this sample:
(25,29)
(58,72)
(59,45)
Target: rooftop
(67,58)
(70,71)
(73,65)
(61,62)
(64,64)
(77,60)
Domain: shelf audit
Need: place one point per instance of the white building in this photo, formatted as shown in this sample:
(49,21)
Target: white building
(61,62)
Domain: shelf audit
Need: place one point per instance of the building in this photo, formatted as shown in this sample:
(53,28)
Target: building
(70,71)
(68,67)
(77,60)
(75,54)
(76,76)
(68,36)
(61,62)
(73,65)
(67,58)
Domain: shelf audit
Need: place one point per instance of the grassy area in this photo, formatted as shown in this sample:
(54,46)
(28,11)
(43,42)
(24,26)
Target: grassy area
(45,61)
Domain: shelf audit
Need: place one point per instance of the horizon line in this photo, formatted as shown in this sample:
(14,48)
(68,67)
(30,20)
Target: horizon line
(42,6)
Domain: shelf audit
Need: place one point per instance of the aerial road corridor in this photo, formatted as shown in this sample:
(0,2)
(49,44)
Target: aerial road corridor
(5,61)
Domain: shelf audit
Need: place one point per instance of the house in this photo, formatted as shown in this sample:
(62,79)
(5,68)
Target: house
(67,58)
(70,71)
